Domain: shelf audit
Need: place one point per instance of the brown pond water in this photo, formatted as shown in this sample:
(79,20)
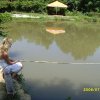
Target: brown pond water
(80,42)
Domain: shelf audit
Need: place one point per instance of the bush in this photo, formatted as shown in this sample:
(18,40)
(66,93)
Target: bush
(22,5)
(29,6)
(5,17)
(6,6)
(3,34)
(39,7)
(3,4)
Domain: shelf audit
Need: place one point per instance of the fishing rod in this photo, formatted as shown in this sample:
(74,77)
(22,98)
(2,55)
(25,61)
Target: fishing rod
(56,62)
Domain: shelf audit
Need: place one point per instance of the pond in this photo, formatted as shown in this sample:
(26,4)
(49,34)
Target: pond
(79,43)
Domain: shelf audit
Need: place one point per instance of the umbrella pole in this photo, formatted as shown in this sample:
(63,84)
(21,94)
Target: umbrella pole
(56,10)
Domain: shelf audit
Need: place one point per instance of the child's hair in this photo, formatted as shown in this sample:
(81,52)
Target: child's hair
(5,45)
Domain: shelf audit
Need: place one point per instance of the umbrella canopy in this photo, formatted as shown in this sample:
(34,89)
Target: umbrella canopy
(57,4)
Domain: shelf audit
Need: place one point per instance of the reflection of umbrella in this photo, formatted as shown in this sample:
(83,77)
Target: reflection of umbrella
(55,30)
(57,4)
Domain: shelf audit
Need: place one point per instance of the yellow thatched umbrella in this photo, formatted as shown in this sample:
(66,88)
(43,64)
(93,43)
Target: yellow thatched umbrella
(57,4)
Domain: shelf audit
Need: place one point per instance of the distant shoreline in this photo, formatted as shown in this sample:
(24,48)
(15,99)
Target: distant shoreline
(78,18)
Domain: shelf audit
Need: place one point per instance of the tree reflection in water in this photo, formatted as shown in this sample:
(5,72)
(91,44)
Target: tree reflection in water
(79,39)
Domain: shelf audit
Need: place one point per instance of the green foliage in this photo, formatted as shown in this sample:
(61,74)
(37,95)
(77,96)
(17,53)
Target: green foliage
(84,5)
(23,5)
(40,6)
(3,34)
(6,6)
(20,78)
(3,4)
(5,17)
(26,5)
(74,13)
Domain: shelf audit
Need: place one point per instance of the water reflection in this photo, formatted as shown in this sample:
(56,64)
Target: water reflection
(57,82)
(60,91)
(80,40)
(55,30)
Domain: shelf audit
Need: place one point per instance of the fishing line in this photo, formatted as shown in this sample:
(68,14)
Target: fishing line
(55,62)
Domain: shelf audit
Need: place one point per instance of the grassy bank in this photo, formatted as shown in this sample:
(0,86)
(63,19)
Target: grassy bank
(77,17)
